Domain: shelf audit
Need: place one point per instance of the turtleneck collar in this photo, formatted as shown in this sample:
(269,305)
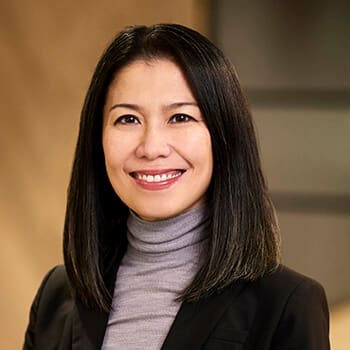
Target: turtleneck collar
(170,235)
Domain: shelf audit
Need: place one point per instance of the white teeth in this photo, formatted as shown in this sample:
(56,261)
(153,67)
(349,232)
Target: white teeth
(157,178)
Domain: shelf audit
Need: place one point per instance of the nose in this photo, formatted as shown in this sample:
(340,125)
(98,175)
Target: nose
(153,144)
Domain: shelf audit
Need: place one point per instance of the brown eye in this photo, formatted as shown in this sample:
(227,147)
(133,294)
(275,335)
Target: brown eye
(180,118)
(127,119)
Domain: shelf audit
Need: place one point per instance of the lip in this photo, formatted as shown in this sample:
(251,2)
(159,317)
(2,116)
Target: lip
(174,176)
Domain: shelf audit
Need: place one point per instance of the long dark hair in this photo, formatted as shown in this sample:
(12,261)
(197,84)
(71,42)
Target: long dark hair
(244,240)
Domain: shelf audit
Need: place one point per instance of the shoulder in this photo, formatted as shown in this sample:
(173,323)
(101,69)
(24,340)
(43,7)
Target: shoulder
(54,288)
(55,292)
(281,310)
(284,287)
(293,307)
(51,308)
(287,285)
(284,279)
(55,282)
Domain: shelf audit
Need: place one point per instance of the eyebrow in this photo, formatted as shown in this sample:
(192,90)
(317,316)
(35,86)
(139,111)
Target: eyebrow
(167,107)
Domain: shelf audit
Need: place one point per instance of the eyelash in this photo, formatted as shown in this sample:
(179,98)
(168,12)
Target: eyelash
(184,118)
(127,119)
(174,119)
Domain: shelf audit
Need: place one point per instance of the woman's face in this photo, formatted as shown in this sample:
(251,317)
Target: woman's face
(157,147)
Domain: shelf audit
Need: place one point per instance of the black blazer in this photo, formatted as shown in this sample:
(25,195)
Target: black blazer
(283,310)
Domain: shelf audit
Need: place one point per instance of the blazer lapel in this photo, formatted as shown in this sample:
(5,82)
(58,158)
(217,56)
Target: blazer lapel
(195,321)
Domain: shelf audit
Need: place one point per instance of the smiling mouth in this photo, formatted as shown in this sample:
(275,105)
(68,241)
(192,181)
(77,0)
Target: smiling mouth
(156,177)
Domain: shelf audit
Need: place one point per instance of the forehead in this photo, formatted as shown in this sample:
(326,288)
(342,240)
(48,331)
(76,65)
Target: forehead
(161,77)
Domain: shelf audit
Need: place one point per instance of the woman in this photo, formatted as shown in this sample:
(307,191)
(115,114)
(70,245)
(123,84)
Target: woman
(170,238)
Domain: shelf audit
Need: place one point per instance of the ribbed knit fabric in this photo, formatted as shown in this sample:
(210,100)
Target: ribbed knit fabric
(161,260)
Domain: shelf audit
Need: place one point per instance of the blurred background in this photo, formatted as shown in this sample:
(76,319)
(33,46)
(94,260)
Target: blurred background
(292,58)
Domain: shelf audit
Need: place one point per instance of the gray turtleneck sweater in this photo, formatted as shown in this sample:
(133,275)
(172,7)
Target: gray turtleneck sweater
(161,260)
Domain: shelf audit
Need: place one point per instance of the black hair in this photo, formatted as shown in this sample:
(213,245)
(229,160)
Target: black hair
(244,237)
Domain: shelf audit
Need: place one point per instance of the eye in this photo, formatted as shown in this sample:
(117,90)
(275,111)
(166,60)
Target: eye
(127,119)
(180,118)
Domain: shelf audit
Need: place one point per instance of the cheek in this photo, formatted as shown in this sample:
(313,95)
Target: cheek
(197,149)
(202,148)
(113,152)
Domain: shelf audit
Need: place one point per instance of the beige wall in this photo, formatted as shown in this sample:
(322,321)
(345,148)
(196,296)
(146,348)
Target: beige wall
(48,52)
